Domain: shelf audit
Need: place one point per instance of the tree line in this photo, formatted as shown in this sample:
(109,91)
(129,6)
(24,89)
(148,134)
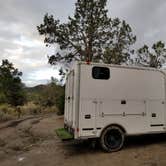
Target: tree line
(15,94)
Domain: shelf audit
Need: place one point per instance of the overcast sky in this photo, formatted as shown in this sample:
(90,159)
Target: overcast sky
(22,45)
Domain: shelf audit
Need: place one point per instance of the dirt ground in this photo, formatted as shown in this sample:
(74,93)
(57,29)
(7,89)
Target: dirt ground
(33,142)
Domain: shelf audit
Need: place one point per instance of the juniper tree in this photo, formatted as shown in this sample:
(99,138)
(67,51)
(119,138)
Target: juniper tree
(11,86)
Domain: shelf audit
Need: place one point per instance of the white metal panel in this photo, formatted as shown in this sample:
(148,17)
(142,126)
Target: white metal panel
(133,85)
(131,116)
(123,84)
(156,115)
(114,107)
(87,126)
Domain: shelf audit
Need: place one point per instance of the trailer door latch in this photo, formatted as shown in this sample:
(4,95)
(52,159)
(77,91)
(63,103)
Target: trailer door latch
(87,116)
(123,102)
(68,98)
(153,115)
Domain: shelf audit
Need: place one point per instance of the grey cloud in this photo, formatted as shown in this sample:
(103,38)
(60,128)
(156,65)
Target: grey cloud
(145,16)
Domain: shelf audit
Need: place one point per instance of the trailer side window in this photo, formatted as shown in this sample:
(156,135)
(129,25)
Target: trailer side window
(101,73)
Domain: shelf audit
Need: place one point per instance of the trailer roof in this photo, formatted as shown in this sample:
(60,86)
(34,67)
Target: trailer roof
(125,67)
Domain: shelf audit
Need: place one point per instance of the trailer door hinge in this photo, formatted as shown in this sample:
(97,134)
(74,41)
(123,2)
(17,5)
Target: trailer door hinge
(143,114)
(102,114)
(95,102)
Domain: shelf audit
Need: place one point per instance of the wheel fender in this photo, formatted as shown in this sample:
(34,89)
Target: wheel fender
(116,125)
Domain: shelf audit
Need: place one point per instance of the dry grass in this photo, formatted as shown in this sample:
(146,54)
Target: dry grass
(30,109)
(33,109)
(8,113)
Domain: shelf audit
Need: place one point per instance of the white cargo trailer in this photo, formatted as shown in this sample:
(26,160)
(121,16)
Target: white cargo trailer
(110,102)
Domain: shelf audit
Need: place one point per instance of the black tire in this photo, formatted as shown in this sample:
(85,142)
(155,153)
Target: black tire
(112,139)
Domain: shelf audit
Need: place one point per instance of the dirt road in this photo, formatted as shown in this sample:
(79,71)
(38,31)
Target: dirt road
(33,142)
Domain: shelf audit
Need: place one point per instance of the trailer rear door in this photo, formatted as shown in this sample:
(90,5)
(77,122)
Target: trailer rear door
(69,96)
(88,106)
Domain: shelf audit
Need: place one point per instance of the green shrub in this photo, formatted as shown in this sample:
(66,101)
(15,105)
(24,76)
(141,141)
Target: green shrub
(60,104)
(50,109)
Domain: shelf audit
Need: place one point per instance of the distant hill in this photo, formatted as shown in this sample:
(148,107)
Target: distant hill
(36,89)
(47,95)
(33,93)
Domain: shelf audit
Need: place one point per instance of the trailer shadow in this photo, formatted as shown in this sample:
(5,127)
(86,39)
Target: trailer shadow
(144,140)
(80,147)
(86,146)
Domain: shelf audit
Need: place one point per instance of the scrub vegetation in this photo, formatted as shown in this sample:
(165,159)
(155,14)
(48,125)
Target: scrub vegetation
(17,100)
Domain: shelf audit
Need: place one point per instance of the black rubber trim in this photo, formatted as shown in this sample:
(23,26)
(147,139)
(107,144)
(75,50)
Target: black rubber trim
(85,129)
(156,125)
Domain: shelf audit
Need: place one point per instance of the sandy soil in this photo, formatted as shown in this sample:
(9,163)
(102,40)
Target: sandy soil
(33,142)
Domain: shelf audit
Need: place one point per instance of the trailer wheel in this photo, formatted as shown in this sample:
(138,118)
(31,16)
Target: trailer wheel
(112,139)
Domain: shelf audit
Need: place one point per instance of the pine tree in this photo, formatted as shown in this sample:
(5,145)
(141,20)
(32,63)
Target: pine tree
(90,35)
(154,57)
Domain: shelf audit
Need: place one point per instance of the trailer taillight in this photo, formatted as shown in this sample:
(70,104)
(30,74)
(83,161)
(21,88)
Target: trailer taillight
(88,62)
(77,130)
